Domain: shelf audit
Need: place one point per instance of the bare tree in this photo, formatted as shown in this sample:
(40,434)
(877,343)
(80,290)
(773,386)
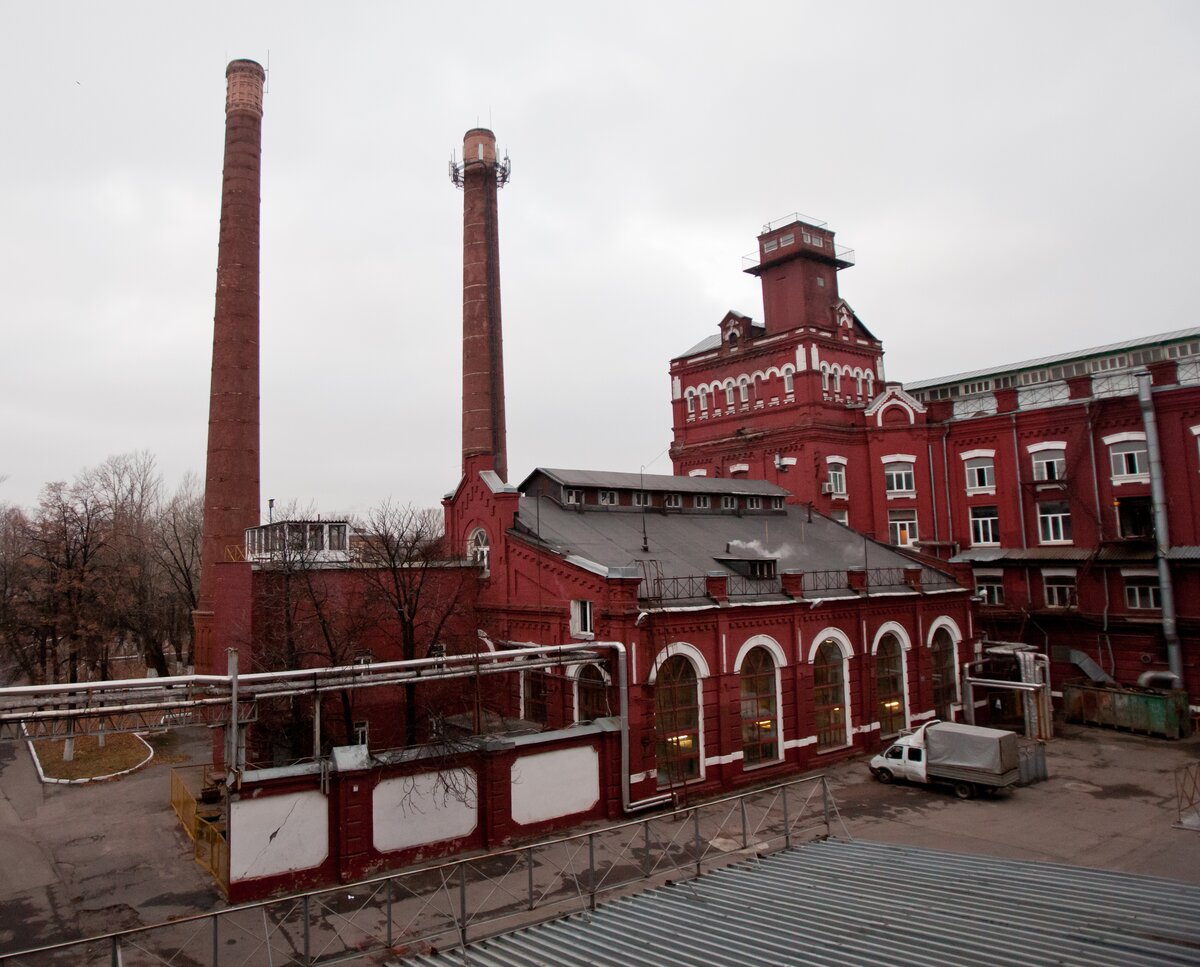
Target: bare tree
(22,652)
(427,598)
(176,548)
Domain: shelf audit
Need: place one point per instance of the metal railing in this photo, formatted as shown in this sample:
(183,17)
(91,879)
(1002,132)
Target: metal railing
(452,903)
(1187,795)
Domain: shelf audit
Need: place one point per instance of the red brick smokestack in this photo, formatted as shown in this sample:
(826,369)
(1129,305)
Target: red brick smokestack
(483,434)
(231,487)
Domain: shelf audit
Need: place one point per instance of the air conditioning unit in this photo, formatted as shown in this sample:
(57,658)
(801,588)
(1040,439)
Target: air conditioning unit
(827,488)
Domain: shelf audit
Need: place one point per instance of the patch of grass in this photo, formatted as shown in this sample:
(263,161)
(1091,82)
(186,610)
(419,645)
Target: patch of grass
(120,752)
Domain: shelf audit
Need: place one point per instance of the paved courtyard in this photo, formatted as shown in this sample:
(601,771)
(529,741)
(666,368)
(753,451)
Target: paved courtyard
(83,860)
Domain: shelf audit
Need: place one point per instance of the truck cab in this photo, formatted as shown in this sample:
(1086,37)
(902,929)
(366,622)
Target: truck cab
(901,760)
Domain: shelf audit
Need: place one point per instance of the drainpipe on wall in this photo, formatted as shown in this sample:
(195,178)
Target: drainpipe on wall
(933,491)
(946,482)
(1162,539)
(1087,408)
(627,802)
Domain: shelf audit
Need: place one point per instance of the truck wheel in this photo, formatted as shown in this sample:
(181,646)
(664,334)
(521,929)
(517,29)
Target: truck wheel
(884,776)
(964,790)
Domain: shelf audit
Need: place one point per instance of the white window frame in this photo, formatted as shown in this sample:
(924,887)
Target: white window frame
(990,579)
(1052,453)
(701,502)
(641,498)
(754,503)
(979,468)
(900,478)
(1065,595)
(906,527)
(1122,447)
(572,495)
(608,498)
(673,501)
(1054,527)
(836,476)
(841,515)
(985,531)
(582,624)
(728,502)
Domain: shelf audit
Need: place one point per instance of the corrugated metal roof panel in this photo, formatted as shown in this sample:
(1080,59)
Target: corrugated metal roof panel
(850,903)
(1162,337)
(657,482)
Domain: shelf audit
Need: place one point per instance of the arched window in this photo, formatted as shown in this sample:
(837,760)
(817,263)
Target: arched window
(690,399)
(703,399)
(760,718)
(829,695)
(477,548)
(733,341)
(744,390)
(729,393)
(592,693)
(824,378)
(889,685)
(870,386)
(677,721)
(836,373)
(945,681)
(789,384)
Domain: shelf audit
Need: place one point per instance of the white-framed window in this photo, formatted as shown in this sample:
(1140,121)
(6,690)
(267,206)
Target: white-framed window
(581,619)
(641,498)
(690,399)
(729,395)
(1050,463)
(728,502)
(744,390)
(777,503)
(1058,588)
(1142,593)
(898,478)
(701,501)
(1054,522)
(789,383)
(981,475)
(989,585)
(985,525)
(902,527)
(703,394)
(1129,461)
(754,503)
(837,479)
(673,501)
(477,549)
(572,495)
(608,498)
(841,516)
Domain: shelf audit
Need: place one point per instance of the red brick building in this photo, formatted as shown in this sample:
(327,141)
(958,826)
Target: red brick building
(1038,475)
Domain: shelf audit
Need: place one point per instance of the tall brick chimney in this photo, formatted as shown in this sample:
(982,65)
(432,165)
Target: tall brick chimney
(484,444)
(231,486)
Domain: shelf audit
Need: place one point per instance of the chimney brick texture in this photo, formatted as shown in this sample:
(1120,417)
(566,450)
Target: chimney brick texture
(483,430)
(231,480)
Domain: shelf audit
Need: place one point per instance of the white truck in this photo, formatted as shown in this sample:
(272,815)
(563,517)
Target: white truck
(968,758)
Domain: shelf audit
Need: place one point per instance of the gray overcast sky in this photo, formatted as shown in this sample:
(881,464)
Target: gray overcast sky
(1016,178)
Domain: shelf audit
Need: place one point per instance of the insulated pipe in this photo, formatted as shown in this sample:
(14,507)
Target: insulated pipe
(1162,538)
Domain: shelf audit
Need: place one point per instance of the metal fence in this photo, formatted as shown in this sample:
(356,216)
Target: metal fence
(1187,795)
(451,903)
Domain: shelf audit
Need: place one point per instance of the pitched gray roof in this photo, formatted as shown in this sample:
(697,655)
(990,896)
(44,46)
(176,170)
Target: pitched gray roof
(689,544)
(860,903)
(1143,342)
(659,482)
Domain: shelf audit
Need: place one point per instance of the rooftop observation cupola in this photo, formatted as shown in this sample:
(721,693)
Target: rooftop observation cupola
(798,262)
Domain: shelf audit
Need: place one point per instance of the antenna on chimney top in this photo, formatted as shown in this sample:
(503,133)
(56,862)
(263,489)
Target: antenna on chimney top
(267,88)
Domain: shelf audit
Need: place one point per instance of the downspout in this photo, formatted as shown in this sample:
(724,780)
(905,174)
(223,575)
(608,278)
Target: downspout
(1162,539)
(1021,504)
(1087,408)
(946,483)
(627,803)
(933,491)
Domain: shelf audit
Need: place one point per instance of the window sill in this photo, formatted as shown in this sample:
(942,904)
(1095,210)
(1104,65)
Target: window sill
(1056,543)
(760,765)
(981,491)
(902,495)
(1141,478)
(835,748)
(985,543)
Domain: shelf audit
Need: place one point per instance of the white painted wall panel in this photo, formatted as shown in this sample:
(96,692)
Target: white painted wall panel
(277,834)
(552,784)
(415,810)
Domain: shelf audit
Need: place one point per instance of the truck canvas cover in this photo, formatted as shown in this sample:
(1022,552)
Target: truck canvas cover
(968,746)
